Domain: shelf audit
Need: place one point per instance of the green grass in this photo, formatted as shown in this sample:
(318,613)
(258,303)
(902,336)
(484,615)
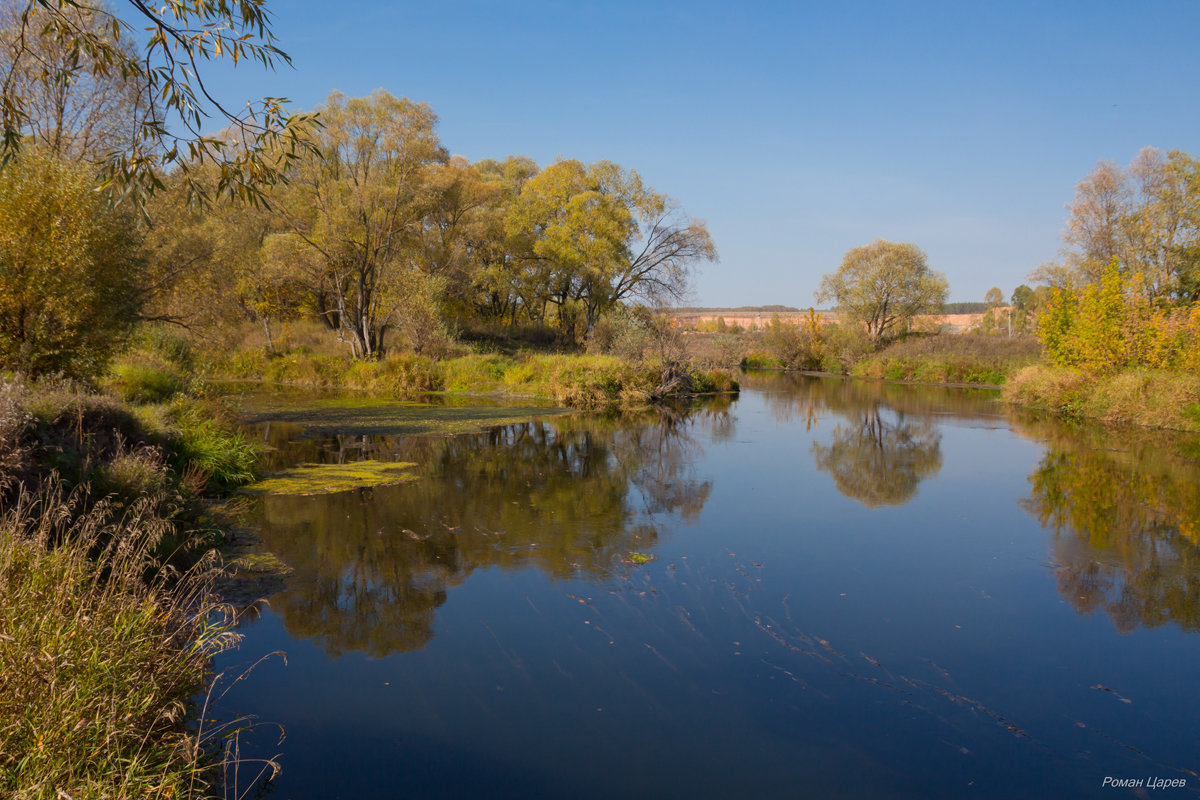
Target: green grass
(198,440)
(136,383)
(569,380)
(951,358)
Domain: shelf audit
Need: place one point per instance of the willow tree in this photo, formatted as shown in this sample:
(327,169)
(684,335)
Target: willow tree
(883,285)
(600,236)
(159,49)
(360,205)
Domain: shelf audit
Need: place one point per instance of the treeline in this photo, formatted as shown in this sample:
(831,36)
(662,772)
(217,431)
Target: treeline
(378,234)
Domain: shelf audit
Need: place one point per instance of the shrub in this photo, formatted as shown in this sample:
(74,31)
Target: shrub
(755,360)
(1108,326)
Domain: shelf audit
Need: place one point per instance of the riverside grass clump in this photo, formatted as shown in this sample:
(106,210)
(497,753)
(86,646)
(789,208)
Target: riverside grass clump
(1150,398)
(107,624)
(76,433)
(571,380)
(951,358)
(100,664)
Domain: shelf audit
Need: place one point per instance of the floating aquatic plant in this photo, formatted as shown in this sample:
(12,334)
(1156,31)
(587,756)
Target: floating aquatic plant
(329,478)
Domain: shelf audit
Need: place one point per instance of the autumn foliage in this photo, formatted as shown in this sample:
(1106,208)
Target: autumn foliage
(1114,324)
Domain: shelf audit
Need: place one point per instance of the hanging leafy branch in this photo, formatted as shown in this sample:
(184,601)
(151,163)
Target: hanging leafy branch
(257,143)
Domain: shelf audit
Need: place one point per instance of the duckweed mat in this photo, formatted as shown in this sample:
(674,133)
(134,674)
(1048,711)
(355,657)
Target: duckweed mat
(308,479)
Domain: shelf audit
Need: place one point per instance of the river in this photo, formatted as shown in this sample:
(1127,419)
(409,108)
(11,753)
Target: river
(824,588)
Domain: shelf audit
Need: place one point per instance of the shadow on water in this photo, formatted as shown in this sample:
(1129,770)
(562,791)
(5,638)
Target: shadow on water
(573,497)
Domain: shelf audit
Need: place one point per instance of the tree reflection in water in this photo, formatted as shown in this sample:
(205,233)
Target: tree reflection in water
(1126,527)
(878,461)
(570,497)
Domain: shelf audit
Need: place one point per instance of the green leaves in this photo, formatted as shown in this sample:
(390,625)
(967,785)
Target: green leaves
(883,285)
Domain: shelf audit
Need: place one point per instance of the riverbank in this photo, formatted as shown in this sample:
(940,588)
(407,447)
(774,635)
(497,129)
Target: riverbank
(1163,399)
(567,380)
(952,359)
(109,622)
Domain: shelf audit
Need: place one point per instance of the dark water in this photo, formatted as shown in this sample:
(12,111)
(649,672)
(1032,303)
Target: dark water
(857,590)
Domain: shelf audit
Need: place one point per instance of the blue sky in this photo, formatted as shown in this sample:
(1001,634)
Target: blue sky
(795,130)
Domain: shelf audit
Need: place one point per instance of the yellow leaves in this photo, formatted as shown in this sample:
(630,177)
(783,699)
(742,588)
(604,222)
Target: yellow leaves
(1113,324)
(68,269)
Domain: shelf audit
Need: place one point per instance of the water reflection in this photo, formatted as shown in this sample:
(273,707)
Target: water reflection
(885,443)
(881,457)
(1126,525)
(572,497)
(791,396)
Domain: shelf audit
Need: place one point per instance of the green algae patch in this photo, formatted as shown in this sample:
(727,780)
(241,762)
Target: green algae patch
(309,479)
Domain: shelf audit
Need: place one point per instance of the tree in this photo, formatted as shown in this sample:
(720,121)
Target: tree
(1145,219)
(95,47)
(69,269)
(600,237)
(361,205)
(1022,298)
(1094,229)
(83,116)
(994,297)
(1024,301)
(883,285)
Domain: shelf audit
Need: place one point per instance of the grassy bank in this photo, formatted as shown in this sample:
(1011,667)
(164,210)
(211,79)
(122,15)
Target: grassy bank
(1150,398)
(951,358)
(107,624)
(576,381)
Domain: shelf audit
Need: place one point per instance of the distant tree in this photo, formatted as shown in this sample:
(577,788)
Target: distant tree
(69,269)
(1022,298)
(994,297)
(883,285)
(1024,301)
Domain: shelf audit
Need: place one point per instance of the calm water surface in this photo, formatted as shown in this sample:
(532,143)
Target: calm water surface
(856,590)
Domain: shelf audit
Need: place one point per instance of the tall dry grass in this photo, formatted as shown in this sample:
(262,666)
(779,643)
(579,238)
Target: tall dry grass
(102,652)
(107,619)
(1150,398)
